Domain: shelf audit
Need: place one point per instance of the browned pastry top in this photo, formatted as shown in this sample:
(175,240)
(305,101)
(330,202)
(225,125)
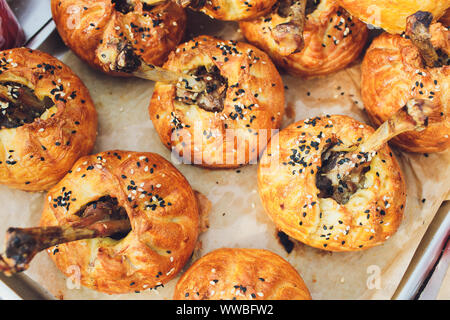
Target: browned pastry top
(41,140)
(252,100)
(332,39)
(159,203)
(241,274)
(287,183)
(236,9)
(391,14)
(88,26)
(393,73)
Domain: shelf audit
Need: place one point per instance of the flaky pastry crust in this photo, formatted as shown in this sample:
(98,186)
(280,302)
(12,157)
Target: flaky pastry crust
(393,73)
(288,190)
(160,205)
(36,155)
(232,136)
(87,26)
(237,10)
(332,40)
(391,15)
(241,274)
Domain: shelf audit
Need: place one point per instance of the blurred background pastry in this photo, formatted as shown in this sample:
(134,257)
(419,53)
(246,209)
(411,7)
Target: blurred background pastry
(327,40)
(391,15)
(241,274)
(93,28)
(398,68)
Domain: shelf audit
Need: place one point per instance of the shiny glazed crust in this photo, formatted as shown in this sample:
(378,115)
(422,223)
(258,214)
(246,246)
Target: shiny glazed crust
(35,156)
(237,10)
(162,209)
(254,100)
(289,194)
(332,40)
(241,274)
(393,73)
(391,14)
(85,26)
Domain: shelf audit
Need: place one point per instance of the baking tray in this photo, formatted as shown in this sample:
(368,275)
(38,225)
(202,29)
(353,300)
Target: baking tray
(418,281)
(35,15)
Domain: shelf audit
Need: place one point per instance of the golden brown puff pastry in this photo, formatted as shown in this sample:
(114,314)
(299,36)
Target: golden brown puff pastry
(247,102)
(47,119)
(289,188)
(332,39)
(393,73)
(241,274)
(88,27)
(391,14)
(236,10)
(159,203)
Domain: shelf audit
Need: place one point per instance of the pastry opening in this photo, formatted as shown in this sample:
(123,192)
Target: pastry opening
(123,6)
(342,191)
(289,34)
(418,31)
(104,209)
(284,7)
(311,6)
(19,105)
(120,55)
(212,98)
(443,58)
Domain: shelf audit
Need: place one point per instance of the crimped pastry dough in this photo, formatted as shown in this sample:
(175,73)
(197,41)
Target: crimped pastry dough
(332,40)
(391,14)
(287,186)
(241,274)
(162,209)
(86,26)
(393,73)
(236,9)
(254,100)
(35,155)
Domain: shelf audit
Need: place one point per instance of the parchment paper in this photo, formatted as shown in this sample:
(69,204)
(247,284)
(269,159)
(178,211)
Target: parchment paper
(237,218)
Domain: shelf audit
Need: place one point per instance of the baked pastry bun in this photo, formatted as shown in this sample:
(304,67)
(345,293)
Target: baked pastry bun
(394,71)
(391,15)
(234,10)
(299,190)
(124,221)
(229,123)
(161,208)
(47,119)
(332,39)
(241,274)
(90,28)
